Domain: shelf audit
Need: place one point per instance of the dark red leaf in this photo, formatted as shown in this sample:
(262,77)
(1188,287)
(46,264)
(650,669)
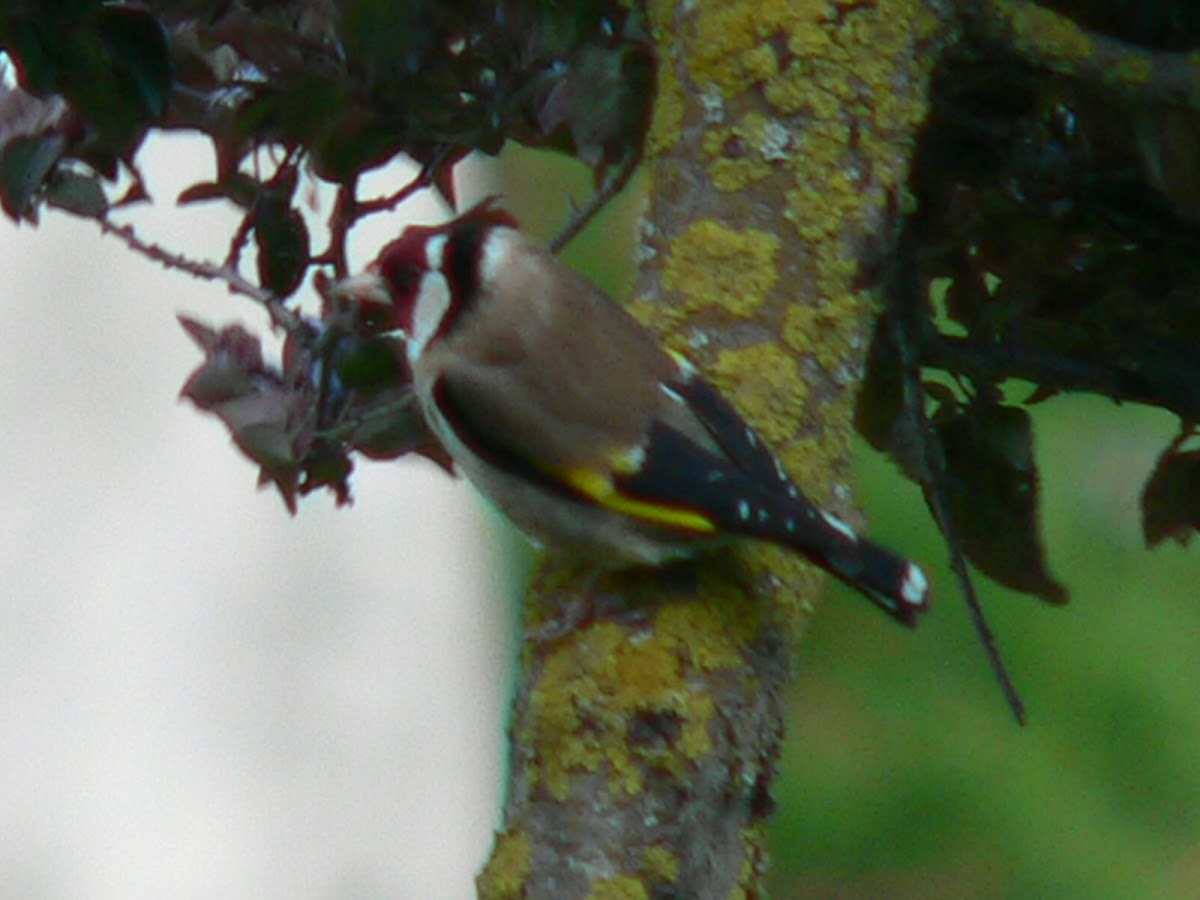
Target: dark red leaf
(25,164)
(78,193)
(1171,498)
(281,236)
(993,493)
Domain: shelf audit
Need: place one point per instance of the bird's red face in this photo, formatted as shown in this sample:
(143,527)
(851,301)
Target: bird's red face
(429,272)
(404,266)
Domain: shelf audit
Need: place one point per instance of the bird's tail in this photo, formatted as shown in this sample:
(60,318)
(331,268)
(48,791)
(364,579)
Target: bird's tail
(896,585)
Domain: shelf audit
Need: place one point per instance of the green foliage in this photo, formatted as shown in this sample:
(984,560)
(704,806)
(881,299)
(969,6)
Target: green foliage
(1054,241)
(110,62)
(348,85)
(897,781)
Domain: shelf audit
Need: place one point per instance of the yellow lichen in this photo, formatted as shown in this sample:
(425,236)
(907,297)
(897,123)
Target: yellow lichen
(721,36)
(747,151)
(622,887)
(766,381)
(661,318)
(558,726)
(1133,71)
(1030,22)
(791,91)
(660,865)
(732,170)
(645,671)
(730,175)
(590,696)
(706,634)
(809,211)
(711,264)
(760,63)
(695,742)
(809,460)
(666,122)
(729,47)
(810,41)
(754,840)
(824,331)
(508,869)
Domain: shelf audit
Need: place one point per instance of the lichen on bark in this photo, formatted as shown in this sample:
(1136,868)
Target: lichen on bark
(653,735)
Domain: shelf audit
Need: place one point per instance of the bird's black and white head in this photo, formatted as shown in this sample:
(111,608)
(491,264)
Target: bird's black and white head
(433,274)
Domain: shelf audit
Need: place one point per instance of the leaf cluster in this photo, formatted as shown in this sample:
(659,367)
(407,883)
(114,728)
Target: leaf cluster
(1054,244)
(288,92)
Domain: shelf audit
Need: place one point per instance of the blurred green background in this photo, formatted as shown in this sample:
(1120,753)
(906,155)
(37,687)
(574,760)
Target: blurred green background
(904,774)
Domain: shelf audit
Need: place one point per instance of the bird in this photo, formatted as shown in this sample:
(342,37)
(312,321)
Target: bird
(576,421)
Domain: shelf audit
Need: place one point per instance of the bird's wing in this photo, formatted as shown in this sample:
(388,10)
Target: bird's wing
(663,477)
(701,403)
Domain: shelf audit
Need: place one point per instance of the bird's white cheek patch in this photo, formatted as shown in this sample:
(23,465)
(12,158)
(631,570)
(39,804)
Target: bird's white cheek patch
(433,300)
(496,254)
(435,252)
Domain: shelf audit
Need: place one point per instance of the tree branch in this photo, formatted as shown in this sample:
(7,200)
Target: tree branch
(1140,383)
(1055,42)
(645,743)
(281,316)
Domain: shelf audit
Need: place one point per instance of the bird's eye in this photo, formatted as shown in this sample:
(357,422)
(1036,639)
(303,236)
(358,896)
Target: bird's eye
(405,278)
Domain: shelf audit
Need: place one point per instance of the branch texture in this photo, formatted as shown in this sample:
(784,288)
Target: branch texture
(644,744)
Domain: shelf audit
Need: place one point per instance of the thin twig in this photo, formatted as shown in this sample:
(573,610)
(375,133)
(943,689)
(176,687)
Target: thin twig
(607,191)
(341,218)
(906,318)
(423,180)
(238,242)
(284,170)
(989,361)
(343,430)
(348,209)
(280,315)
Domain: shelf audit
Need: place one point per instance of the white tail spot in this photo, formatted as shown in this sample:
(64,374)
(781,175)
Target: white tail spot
(914,586)
(838,525)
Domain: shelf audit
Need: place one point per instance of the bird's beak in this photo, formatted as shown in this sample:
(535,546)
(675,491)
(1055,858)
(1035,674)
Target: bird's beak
(366,287)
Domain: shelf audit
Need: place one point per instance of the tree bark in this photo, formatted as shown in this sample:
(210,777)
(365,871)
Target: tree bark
(644,743)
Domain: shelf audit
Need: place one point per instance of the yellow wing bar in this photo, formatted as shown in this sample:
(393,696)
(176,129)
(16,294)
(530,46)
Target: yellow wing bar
(597,485)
